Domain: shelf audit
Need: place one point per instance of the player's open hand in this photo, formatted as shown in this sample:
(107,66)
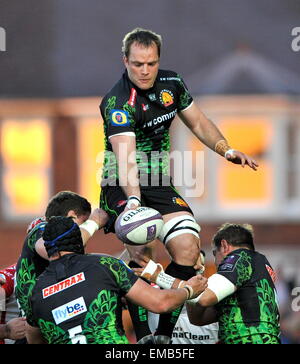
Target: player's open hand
(238,157)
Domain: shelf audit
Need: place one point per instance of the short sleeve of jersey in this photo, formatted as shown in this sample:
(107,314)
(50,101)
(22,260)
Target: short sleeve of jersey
(122,274)
(118,117)
(185,98)
(237,268)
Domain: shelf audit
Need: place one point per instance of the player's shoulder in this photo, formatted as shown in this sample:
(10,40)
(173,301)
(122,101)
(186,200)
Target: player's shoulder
(109,259)
(169,76)
(34,235)
(37,230)
(120,91)
(99,258)
(234,259)
(112,263)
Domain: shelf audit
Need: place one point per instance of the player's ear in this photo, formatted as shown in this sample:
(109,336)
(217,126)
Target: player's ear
(125,60)
(225,246)
(72,214)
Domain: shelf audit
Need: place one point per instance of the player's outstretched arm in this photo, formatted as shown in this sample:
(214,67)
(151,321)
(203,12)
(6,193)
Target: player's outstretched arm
(162,301)
(208,133)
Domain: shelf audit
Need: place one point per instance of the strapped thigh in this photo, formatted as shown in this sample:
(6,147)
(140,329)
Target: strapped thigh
(184,224)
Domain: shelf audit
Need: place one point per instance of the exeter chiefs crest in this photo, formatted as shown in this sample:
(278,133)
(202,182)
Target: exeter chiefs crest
(166,97)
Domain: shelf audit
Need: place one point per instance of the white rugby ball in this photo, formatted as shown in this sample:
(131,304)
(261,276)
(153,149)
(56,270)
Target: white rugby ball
(139,227)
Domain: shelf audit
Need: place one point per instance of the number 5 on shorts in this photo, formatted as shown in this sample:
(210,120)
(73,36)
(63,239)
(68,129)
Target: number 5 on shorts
(75,335)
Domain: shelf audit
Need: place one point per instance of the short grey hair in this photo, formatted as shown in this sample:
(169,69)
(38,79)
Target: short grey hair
(141,36)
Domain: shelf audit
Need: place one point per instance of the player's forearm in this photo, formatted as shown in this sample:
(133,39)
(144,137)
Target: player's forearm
(174,299)
(209,134)
(169,300)
(155,300)
(128,178)
(203,128)
(124,148)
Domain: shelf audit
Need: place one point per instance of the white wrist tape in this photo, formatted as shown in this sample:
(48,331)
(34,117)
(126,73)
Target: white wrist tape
(150,269)
(90,226)
(220,286)
(133,201)
(230,152)
(164,280)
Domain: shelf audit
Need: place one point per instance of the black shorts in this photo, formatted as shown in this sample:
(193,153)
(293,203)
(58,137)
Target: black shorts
(164,199)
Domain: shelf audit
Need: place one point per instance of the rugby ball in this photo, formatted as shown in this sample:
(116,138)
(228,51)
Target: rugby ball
(139,227)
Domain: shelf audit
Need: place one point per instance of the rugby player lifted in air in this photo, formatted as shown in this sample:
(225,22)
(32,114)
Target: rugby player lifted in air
(137,114)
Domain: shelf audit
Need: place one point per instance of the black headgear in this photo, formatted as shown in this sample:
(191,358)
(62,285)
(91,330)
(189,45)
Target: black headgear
(62,234)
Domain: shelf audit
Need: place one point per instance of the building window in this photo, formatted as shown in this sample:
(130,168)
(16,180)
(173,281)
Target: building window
(90,157)
(26,168)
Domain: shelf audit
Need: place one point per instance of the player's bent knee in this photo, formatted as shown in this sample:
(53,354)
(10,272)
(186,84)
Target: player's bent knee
(181,236)
(184,249)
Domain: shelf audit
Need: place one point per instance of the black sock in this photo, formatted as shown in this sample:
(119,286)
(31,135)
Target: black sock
(139,315)
(167,321)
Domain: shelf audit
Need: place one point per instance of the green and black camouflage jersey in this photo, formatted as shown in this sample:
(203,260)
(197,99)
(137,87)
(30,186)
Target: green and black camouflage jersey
(77,300)
(30,265)
(251,315)
(148,115)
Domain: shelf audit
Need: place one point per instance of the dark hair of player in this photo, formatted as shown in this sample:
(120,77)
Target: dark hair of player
(236,235)
(141,36)
(65,201)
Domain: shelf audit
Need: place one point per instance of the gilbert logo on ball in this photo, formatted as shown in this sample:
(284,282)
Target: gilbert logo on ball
(139,227)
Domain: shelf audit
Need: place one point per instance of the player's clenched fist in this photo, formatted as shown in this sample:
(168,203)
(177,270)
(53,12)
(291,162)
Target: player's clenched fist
(198,284)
